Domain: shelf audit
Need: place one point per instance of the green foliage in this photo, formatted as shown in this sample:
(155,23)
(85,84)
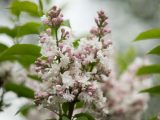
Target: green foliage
(149,34)
(65,118)
(34,77)
(24,109)
(2,47)
(28,28)
(21,49)
(80,104)
(21,30)
(76,43)
(52,119)
(155,51)
(26,54)
(153,118)
(124,59)
(82,118)
(153,90)
(85,116)
(8,31)
(17,7)
(149,69)
(65,107)
(41,6)
(20,90)
(25,60)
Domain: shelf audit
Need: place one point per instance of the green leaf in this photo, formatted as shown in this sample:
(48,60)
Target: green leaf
(152,90)
(149,69)
(153,118)
(26,54)
(41,6)
(82,118)
(24,109)
(80,104)
(65,118)
(66,23)
(2,47)
(155,51)
(86,115)
(149,34)
(20,90)
(26,60)
(34,77)
(17,7)
(8,31)
(28,28)
(22,49)
(65,107)
(52,119)
(76,43)
(22,30)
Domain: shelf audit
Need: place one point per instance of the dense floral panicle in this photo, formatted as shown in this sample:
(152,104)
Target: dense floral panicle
(72,73)
(54,18)
(124,100)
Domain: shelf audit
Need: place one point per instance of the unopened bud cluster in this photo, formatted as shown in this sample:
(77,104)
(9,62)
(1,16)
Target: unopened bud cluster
(64,34)
(101,29)
(54,17)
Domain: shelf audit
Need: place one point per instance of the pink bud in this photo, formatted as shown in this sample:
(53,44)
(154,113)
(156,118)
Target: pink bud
(90,93)
(62,30)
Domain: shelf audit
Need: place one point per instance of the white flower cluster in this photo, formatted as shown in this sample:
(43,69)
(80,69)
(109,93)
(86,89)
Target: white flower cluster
(12,71)
(36,114)
(124,100)
(74,70)
(54,18)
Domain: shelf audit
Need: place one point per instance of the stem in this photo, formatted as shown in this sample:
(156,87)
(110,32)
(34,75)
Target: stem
(60,112)
(91,68)
(57,41)
(1,100)
(71,109)
(99,38)
(16,41)
(71,106)
(41,7)
(100,28)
